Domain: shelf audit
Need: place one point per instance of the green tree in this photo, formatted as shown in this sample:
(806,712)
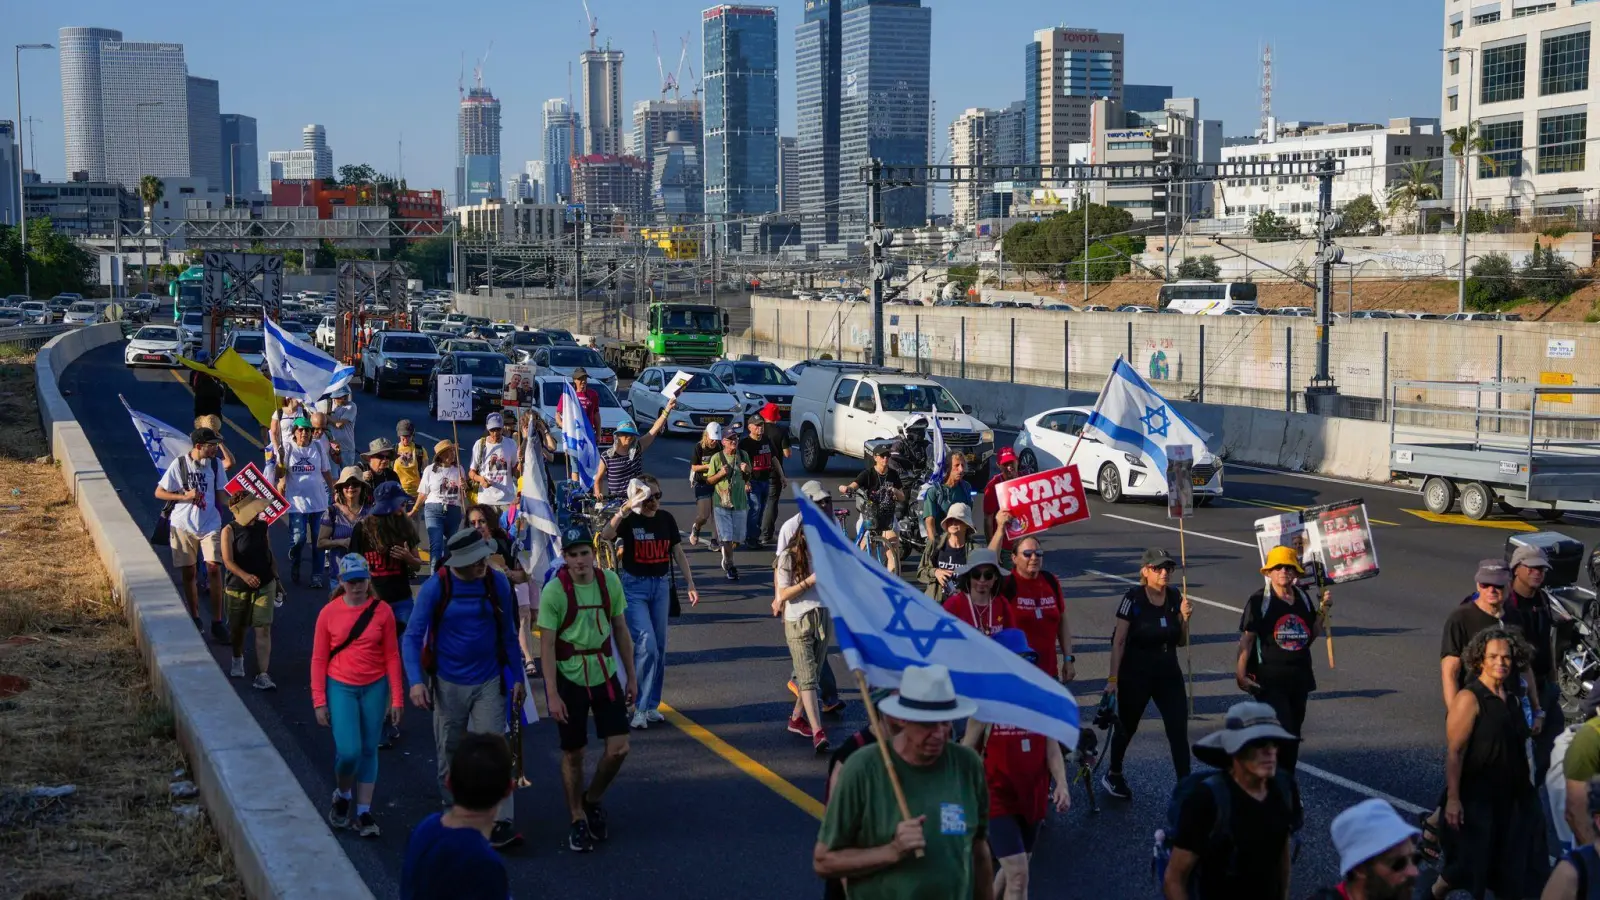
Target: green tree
(1414,183)
(1492,284)
(429,259)
(150,192)
(1048,244)
(1547,276)
(1269,226)
(1107,260)
(1360,216)
(353,174)
(55,261)
(1203,268)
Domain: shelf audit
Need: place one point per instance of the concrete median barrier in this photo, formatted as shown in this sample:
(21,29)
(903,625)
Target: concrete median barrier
(281,845)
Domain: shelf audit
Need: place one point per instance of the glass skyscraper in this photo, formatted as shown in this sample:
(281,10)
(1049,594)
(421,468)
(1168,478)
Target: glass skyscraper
(205,132)
(478,178)
(80,99)
(240,172)
(884,52)
(560,130)
(144,106)
(741,111)
(816,95)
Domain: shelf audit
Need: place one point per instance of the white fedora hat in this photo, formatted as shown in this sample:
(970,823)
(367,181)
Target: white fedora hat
(927,695)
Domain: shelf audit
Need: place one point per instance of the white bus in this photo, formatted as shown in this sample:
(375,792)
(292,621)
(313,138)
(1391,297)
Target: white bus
(1207,298)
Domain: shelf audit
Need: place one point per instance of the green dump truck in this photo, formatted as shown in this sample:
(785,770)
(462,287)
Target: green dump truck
(690,333)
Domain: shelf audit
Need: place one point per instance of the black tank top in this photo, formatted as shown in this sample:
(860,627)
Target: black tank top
(251,552)
(1496,759)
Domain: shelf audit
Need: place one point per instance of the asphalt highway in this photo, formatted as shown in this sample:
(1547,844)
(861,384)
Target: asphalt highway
(721,800)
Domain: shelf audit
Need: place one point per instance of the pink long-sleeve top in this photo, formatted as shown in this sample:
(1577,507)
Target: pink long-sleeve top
(374,654)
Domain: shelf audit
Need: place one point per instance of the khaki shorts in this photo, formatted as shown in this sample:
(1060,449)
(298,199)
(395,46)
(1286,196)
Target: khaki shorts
(252,609)
(187,547)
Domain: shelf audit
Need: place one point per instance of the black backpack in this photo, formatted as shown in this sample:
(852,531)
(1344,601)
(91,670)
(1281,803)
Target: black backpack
(1587,861)
(1219,844)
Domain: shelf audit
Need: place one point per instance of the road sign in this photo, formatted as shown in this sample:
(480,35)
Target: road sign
(455,398)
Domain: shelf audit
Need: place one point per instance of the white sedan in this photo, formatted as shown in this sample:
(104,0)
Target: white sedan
(154,345)
(702,401)
(1046,441)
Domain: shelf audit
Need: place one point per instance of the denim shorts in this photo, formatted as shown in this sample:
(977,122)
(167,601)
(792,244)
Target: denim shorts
(807,637)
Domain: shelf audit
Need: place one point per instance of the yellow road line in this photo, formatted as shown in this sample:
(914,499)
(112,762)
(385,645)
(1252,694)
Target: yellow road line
(1263,504)
(807,803)
(1458,519)
(236,426)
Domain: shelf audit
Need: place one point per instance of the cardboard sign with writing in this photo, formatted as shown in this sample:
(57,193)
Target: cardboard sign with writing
(455,398)
(675,385)
(1180,481)
(1042,501)
(1340,538)
(250,479)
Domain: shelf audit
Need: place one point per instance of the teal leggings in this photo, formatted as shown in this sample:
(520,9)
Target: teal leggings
(356,714)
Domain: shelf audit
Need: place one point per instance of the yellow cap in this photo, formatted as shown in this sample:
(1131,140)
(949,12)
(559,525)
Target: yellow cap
(1282,556)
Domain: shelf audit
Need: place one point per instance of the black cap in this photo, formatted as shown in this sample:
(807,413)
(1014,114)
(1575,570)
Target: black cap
(574,536)
(881,450)
(204,435)
(1157,558)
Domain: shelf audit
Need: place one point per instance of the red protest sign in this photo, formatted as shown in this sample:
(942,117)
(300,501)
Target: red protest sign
(250,479)
(1042,501)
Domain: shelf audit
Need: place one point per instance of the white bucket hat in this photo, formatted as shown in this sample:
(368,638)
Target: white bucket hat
(1366,830)
(927,695)
(638,493)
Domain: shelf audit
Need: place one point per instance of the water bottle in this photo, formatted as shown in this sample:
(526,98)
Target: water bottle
(1158,866)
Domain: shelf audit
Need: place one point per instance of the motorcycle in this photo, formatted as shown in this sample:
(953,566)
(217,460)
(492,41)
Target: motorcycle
(1576,640)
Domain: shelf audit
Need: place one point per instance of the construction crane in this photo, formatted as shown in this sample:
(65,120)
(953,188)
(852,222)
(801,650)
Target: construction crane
(695,91)
(477,71)
(677,76)
(668,82)
(594,23)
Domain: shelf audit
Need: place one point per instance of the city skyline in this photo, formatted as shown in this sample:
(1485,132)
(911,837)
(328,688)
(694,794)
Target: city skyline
(1195,50)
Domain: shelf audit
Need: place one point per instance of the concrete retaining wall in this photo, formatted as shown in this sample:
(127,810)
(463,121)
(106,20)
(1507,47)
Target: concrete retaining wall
(1373,256)
(280,843)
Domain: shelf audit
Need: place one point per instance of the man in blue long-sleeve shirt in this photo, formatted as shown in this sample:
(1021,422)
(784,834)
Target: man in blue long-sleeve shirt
(473,641)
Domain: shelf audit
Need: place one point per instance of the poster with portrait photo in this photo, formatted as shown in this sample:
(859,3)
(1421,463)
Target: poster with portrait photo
(1341,537)
(1288,530)
(516,393)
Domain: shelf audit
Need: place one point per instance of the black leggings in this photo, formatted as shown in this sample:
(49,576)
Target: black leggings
(1289,702)
(1152,677)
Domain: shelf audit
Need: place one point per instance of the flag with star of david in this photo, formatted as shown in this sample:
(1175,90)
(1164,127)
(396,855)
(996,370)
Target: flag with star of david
(1130,416)
(163,442)
(884,625)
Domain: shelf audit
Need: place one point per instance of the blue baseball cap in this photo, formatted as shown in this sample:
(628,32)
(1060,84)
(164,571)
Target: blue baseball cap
(388,499)
(1016,641)
(628,428)
(353,568)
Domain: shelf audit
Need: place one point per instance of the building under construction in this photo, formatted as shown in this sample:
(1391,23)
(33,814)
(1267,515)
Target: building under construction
(612,190)
(478,166)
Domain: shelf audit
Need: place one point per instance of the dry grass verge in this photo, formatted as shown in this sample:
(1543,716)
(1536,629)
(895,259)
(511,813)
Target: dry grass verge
(86,715)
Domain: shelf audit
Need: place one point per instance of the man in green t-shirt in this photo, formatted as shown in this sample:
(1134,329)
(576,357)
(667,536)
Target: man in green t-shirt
(870,843)
(582,637)
(1582,763)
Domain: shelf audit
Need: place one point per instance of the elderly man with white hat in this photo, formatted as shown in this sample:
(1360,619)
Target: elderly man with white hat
(1247,801)
(867,840)
(1377,854)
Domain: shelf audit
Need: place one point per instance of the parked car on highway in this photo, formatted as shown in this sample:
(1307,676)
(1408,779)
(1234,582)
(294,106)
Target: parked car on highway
(84,312)
(251,346)
(297,328)
(613,411)
(465,345)
(561,359)
(14,300)
(520,344)
(1046,441)
(154,345)
(1298,312)
(1135,308)
(1470,317)
(1094,307)
(12,317)
(397,360)
(756,382)
(702,401)
(1058,307)
(37,312)
(324,336)
(488,371)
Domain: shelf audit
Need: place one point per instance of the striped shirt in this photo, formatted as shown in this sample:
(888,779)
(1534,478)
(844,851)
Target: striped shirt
(622,469)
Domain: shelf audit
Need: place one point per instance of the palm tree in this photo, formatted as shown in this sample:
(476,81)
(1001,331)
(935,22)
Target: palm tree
(1466,141)
(1414,183)
(150,192)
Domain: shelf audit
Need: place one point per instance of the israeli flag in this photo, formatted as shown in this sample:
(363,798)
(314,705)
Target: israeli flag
(937,455)
(577,437)
(163,442)
(885,625)
(1133,418)
(539,537)
(299,369)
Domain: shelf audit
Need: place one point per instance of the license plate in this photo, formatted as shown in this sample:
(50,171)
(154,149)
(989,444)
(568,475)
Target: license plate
(605,438)
(150,357)
(783,411)
(496,401)
(717,419)
(1198,481)
(416,382)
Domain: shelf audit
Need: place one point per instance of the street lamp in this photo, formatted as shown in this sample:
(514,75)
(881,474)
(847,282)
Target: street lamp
(22,192)
(1466,171)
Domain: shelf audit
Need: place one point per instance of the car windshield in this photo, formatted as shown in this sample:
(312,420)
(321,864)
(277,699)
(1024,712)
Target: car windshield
(553,389)
(407,343)
(34,305)
(247,343)
(526,338)
(83,307)
(759,373)
(701,383)
(156,334)
(691,321)
(194,318)
(485,366)
(571,357)
(917,398)
(473,346)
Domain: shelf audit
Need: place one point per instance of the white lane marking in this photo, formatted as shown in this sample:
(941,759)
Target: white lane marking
(1120,579)
(1307,768)
(1186,531)
(1363,484)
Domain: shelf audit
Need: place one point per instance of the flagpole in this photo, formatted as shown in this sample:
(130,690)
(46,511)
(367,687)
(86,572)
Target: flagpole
(1096,408)
(1188,644)
(883,745)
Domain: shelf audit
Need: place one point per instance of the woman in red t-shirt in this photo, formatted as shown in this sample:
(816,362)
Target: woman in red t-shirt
(977,599)
(1037,604)
(1018,766)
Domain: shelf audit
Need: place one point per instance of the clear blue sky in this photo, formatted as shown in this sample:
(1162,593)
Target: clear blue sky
(376,72)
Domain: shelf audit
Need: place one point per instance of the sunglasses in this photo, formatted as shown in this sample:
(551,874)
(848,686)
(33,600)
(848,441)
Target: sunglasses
(1492,587)
(655,495)
(1400,863)
(1031,554)
(1285,568)
(985,575)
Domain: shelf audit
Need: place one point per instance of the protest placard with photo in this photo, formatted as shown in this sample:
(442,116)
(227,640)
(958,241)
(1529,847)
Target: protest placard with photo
(250,479)
(1287,530)
(1180,481)
(1042,501)
(1341,538)
(517,394)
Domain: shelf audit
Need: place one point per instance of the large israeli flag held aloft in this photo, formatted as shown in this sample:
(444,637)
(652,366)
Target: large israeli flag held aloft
(538,535)
(299,369)
(577,436)
(885,625)
(163,442)
(1133,418)
(937,452)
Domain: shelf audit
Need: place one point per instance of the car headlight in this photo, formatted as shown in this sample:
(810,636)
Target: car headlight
(1134,461)
(750,396)
(988,436)
(390,364)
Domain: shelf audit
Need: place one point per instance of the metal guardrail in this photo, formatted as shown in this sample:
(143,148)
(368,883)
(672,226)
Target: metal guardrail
(32,337)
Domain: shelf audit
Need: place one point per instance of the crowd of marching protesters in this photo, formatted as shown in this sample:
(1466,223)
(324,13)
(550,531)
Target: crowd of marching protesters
(421,556)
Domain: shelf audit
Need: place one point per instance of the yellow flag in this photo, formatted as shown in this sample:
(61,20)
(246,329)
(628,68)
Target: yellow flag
(247,383)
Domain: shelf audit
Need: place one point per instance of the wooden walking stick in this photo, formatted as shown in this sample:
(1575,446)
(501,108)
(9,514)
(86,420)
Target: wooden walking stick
(1188,645)
(883,745)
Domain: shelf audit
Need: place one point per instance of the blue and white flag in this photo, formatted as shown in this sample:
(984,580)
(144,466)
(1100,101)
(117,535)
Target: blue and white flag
(937,454)
(299,369)
(163,442)
(1133,418)
(539,537)
(577,437)
(885,625)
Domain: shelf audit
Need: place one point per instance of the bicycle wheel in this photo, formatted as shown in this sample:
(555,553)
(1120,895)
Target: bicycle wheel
(605,555)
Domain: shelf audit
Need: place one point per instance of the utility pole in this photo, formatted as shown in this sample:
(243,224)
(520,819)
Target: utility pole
(1466,181)
(878,239)
(577,264)
(1322,394)
(714,235)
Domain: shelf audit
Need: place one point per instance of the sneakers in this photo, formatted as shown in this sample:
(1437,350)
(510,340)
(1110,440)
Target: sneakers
(219,633)
(834,708)
(504,835)
(264,682)
(1116,786)
(733,573)
(639,721)
(339,812)
(598,829)
(578,839)
(316,580)
(798,725)
(654,716)
(819,742)
(237,669)
(367,826)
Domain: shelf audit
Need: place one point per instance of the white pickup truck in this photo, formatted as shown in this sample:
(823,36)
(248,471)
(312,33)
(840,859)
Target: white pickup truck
(840,407)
